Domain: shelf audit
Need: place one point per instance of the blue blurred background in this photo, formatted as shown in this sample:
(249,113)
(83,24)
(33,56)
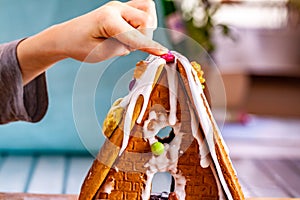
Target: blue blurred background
(57,131)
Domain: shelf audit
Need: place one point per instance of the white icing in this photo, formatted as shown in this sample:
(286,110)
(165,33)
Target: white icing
(147,191)
(202,106)
(196,90)
(109,186)
(204,115)
(173,87)
(157,123)
(127,122)
(180,183)
(167,162)
(219,185)
(143,86)
(117,169)
(203,149)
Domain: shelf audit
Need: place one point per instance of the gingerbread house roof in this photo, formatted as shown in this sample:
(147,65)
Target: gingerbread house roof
(163,94)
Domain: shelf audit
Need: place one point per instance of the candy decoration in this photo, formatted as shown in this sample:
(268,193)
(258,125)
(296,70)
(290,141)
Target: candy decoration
(169,57)
(113,118)
(157,148)
(200,73)
(140,69)
(131,84)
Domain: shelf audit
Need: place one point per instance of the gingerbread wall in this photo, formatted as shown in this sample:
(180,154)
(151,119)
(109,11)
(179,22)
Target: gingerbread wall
(127,177)
(128,173)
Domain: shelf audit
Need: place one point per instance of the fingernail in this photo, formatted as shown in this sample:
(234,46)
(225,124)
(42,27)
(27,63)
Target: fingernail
(161,49)
(164,51)
(127,53)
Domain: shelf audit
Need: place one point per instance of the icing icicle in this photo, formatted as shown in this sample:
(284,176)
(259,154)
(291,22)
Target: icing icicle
(158,119)
(204,115)
(173,87)
(203,149)
(142,87)
(167,161)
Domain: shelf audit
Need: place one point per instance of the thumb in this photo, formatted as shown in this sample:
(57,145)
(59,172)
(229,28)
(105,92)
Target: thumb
(134,39)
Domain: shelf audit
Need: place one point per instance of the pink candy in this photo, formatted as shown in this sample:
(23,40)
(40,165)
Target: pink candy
(169,57)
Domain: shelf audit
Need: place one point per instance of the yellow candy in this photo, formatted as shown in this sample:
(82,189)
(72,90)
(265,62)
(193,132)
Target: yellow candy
(113,118)
(200,73)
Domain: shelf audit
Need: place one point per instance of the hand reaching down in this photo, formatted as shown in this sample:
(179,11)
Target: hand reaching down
(113,29)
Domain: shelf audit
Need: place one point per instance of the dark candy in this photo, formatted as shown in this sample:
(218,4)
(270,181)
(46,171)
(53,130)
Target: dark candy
(131,84)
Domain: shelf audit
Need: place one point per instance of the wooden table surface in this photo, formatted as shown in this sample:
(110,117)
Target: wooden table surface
(27,196)
(265,153)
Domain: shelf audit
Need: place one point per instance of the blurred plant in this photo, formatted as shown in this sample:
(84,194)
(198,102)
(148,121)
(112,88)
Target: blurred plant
(199,18)
(294,13)
(294,3)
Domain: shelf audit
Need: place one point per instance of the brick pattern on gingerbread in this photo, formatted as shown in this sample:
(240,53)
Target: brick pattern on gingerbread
(128,181)
(162,94)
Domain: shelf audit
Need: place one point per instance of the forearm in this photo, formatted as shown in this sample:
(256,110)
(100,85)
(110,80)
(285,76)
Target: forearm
(37,53)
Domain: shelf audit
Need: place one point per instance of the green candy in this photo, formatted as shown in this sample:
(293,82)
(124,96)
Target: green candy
(157,148)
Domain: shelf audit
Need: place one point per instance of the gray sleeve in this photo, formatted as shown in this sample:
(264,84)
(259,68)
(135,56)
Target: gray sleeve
(27,103)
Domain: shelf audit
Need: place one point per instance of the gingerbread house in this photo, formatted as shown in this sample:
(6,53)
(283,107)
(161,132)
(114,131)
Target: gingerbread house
(164,93)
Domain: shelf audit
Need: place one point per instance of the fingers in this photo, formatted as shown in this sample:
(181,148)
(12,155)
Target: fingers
(132,37)
(139,19)
(129,26)
(136,40)
(147,6)
(107,49)
(141,4)
(112,30)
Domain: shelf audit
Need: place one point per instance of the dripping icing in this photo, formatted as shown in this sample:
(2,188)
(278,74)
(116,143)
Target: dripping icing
(142,87)
(203,150)
(173,87)
(166,162)
(203,116)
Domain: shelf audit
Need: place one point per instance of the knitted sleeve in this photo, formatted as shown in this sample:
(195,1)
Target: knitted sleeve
(18,102)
